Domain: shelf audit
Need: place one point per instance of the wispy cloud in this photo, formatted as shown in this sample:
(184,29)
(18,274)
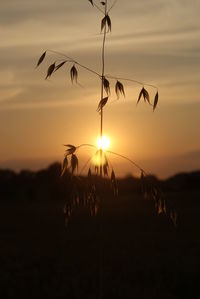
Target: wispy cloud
(150,38)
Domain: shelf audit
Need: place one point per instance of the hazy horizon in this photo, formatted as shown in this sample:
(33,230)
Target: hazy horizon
(165,171)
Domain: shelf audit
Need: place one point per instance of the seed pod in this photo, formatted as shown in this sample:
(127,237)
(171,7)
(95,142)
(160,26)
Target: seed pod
(119,88)
(74,74)
(108,20)
(103,23)
(155,101)
(59,65)
(91,1)
(145,95)
(41,59)
(106,85)
(50,70)
(71,149)
(102,103)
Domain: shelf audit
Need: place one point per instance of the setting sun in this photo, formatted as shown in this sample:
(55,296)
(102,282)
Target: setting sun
(103,143)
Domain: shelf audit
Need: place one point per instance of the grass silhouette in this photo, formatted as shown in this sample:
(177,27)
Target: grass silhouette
(89,193)
(102,165)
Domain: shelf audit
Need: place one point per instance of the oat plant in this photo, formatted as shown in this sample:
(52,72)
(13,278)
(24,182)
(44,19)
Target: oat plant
(84,192)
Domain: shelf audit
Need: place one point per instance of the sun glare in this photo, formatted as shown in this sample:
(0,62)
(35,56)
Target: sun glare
(103,143)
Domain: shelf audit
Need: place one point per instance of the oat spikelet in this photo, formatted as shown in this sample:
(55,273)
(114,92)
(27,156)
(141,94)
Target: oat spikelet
(74,74)
(50,70)
(41,59)
(155,101)
(102,103)
(119,89)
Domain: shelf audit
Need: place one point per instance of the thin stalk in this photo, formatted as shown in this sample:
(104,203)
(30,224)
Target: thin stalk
(131,80)
(86,144)
(102,76)
(129,160)
(101,166)
(136,165)
(112,6)
(87,68)
(95,5)
(85,165)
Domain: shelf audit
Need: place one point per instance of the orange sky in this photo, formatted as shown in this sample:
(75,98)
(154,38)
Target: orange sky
(153,41)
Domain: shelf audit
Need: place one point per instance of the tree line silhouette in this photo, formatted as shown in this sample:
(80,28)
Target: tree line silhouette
(48,184)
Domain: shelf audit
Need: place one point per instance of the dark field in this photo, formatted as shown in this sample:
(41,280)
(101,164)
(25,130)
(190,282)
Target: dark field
(143,255)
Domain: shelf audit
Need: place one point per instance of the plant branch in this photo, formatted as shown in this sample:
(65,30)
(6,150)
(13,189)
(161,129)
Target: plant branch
(103,65)
(86,68)
(86,144)
(75,61)
(129,160)
(135,164)
(85,165)
(118,155)
(95,5)
(112,6)
(130,80)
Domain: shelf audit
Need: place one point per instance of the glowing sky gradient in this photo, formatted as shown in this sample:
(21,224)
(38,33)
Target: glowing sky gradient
(153,41)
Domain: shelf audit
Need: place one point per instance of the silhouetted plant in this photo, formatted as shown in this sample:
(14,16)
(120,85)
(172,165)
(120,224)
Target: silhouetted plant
(86,194)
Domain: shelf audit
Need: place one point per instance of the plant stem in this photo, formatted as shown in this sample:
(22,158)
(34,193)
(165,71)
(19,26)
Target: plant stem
(102,87)
(129,160)
(101,164)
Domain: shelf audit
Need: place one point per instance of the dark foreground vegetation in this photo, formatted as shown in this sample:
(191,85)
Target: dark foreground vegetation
(144,256)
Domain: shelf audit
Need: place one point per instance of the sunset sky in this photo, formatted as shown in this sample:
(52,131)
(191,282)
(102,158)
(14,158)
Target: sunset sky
(153,41)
